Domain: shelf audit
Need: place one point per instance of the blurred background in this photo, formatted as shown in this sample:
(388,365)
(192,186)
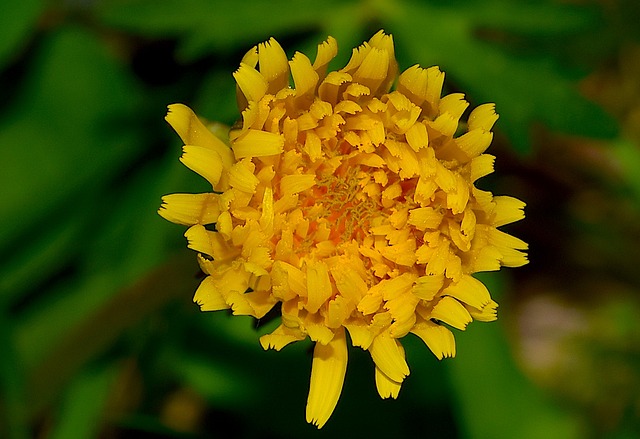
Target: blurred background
(98,333)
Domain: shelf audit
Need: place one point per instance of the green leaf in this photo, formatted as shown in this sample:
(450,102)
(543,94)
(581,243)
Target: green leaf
(13,418)
(17,22)
(41,257)
(539,18)
(81,410)
(67,135)
(527,89)
(208,27)
(129,240)
(223,385)
(627,156)
(83,315)
(495,400)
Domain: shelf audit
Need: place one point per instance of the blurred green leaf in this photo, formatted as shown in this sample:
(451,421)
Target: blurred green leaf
(627,155)
(527,89)
(69,131)
(98,328)
(539,18)
(495,400)
(17,21)
(223,385)
(81,410)
(206,26)
(38,259)
(13,418)
(129,240)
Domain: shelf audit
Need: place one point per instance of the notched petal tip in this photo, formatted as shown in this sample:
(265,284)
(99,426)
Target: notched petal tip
(483,117)
(190,209)
(451,312)
(305,78)
(274,65)
(251,82)
(437,338)
(327,377)
(388,355)
(327,50)
(387,388)
(193,132)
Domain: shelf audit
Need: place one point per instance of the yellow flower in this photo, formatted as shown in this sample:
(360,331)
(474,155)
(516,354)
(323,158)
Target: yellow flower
(351,205)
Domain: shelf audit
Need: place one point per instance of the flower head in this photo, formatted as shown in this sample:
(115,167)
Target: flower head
(351,205)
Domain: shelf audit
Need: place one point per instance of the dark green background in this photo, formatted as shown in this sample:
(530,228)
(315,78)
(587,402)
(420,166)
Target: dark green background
(98,333)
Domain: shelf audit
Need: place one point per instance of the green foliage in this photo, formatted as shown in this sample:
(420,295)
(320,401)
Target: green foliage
(527,88)
(17,21)
(92,279)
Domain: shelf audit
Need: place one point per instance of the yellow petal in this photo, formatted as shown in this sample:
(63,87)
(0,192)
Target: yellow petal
(251,57)
(242,177)
(457,199)
(396,287)
(313,145)
(304,76)
(281,337)
(389,357)
(255,303)
(470,291)
(338,311)
(193,132)
(294,184)
(426,287)
(208,295)
(221,286)
(274,65)
(425,218)
(267,215)
(450,311)
(387,388)
(402,310)
(319,332)
(438,338)
(372,72)
(435,81)
(360,333)
(384,42)
(483,117)
(508,210)
(438,261)
(326,52)
(203,161)
(329,88)
(417,136)
(349,283)
(327,376)
(445,178)
(251,82)
(371,302)
(475,142)
(401,254)
(255,143)
(503,240)
(487,259)
(295,278)
(481,166)
(413,84)
(488,313)
(453,104)
(209,243)
(318,285)
(189,209)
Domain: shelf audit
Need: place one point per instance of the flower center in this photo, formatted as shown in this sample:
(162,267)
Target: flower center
(339,202)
